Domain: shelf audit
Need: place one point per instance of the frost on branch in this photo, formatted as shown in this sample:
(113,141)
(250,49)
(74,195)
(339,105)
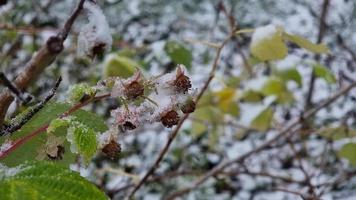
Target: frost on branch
(94,37)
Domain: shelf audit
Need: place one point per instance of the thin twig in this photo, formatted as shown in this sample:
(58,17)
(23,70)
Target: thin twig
(294,125)
(20,95)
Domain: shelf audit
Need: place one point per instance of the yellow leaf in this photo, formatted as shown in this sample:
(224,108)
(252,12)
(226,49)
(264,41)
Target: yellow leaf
(263,121)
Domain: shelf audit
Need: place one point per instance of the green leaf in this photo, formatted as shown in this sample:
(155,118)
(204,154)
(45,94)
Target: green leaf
(78,91)
(226,101)
(275,86)
(28,150)
(120,66)
(84,140)
(251,96)
(178,53)
(45,180)
(348,151)
(306,44)
(206,114)
(263,121)
(267,43)
(323,72)
(290,75)
(337,133)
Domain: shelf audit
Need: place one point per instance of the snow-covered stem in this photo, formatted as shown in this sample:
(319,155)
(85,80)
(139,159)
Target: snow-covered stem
(17,143)
(174,133)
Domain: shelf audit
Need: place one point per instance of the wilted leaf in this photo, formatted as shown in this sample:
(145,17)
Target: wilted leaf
(306,44)
(178,53)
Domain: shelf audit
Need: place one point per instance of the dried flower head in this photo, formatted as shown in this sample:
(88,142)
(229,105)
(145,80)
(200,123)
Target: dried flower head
(181,82)
(112,149)
(128,118)
(130,88)
(170,118)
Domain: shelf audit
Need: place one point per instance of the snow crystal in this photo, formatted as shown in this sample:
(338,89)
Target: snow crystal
(95,33)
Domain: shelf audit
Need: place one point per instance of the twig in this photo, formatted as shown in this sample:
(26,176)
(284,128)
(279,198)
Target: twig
(295,124)
(322,28)
(43,58)
(17,143)
(20,95)
(19,123)
(177,128)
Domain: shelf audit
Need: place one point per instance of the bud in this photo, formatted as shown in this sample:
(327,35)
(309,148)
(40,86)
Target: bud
(170,118)
(182,82)
(188,106)
(112,149)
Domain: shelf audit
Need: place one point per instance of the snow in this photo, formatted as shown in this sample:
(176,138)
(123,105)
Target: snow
(263,33)
(95,32)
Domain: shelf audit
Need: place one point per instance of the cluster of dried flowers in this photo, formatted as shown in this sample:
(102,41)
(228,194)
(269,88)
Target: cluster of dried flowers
(159,99)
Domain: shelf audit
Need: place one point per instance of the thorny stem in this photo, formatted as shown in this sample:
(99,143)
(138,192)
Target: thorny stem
(174,133)
(292,127)
(17,143)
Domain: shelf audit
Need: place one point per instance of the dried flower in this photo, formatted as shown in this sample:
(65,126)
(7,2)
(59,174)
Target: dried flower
(130,88)
(112,149)
(188,106)
(170,118)
(181,82)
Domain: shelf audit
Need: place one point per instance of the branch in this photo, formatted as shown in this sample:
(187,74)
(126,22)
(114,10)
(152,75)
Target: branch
(43,58)
(322,28)
(17,143)
(19,123)
(294,125)
(174,133)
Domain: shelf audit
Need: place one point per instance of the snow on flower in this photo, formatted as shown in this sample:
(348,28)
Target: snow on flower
(130,88)
(94,37)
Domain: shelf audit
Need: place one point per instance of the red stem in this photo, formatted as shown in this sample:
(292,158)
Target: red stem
(17,143)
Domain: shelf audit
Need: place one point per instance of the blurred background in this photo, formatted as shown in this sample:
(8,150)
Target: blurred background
(238,112)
